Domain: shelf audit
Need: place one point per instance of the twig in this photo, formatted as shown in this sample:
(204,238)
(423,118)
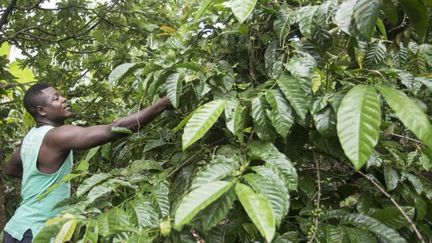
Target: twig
(183,164)
(407,138)
(410,222)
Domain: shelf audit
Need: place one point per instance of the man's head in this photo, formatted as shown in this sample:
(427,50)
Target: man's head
(42,101)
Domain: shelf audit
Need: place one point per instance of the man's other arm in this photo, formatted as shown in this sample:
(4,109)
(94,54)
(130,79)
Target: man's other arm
(74,137)
(14,166)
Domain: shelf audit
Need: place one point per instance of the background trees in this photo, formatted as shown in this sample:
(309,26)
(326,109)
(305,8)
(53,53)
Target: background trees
(295,121)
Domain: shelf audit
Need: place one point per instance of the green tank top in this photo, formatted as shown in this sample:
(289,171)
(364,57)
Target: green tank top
(32,213)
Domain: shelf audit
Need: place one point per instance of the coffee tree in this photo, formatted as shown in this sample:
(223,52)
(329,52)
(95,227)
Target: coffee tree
(294,121)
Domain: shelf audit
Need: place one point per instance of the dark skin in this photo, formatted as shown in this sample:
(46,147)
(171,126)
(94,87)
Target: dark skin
(60,140)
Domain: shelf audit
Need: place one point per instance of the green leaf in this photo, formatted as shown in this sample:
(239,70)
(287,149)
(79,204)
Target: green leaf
(50,230)
(161,193)
(174,88)
(198,199)
(390,12)
(307,20)
(267,152)
(65,179)
(409,112)
(217,211)
(91,182)
(281,114)
(391,178)
(357,235)
(214,172)
(66,231)
(317,77)
(111,222)
(182,123)
(379,229)
(292,90)
(92,232)
(242,8)
(359,118)
(145,213)
(343,17)
(333,234)
(235,118)
(375,55)
(392,217)
(122,71)
(259,210)
(262,124)
(325,121)
(365,16)
(278,199)
(418,15)
(201,121)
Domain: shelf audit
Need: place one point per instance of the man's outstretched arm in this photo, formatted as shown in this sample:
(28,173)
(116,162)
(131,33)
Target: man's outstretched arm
(74,137)
(14,166)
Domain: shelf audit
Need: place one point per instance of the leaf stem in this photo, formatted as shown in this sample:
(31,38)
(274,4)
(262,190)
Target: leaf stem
(413,226)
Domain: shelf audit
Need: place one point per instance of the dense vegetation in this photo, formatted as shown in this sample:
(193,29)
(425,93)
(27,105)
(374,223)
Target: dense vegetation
(294,121)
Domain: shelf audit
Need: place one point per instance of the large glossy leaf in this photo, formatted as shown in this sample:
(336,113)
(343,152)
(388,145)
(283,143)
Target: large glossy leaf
(277,198)
(242,8)
(379,229)
(392,217)
(66,231)
(409,112)
(201,121)
(307,22)
(174,88)
(214,172)
(91,182)
(333,233)
(111,222)
(267,152)
(91,234)
(359,118)
(325,122)
(292,90)
(375,55)
(198,199)
(122,71)
(145,214)
(418,15)
(357,235)
(160,194)
(259,210)
(235,118)
(343,17)
(365,16)
(217,211)
(262,125)
(281,114)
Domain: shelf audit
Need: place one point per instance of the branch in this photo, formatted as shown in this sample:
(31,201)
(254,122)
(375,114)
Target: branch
(7,13)
(410,222)
(318,200)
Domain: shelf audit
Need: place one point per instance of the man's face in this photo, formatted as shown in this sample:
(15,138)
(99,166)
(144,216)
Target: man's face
(55,107)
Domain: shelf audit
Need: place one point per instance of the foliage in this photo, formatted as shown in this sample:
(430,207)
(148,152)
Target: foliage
(294,121)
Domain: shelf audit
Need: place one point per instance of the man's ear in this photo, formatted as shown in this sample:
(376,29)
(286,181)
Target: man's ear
(41,111)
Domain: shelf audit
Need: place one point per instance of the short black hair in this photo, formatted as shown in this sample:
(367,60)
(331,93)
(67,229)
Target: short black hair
(32,97)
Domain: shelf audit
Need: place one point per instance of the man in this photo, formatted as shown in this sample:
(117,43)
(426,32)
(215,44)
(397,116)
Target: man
(45,155)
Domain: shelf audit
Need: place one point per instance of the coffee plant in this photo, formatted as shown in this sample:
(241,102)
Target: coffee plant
(293,121)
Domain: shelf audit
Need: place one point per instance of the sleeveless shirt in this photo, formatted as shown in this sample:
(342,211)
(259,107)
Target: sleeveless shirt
(33,213)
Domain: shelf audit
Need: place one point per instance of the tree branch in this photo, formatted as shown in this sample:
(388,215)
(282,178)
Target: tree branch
(6,14)
(410,222)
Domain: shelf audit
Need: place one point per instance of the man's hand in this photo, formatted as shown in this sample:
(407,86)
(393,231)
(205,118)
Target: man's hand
(14,166)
